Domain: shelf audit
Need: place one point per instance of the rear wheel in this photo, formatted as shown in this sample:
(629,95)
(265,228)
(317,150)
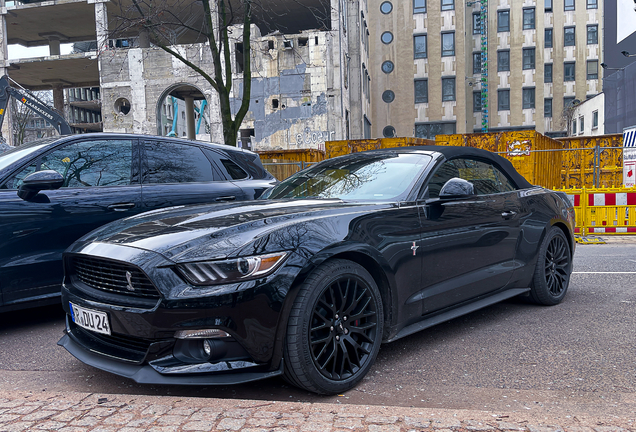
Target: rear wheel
(334,329)
(552,273)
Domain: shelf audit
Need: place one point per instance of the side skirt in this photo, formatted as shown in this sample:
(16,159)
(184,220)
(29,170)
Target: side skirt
(457,312)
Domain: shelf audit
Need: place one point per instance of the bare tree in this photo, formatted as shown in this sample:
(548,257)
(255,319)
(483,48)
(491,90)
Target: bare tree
(21,115)
(568,114)
(165,22)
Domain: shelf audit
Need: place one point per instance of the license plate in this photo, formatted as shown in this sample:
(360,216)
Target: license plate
(90,319)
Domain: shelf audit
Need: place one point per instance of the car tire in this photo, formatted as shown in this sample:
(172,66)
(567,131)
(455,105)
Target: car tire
(334,329)
(552,273)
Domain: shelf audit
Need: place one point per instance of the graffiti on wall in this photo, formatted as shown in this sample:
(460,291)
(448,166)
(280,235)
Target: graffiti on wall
(309,137)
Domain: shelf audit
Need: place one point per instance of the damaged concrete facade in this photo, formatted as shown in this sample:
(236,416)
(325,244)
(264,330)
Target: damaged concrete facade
(307,87)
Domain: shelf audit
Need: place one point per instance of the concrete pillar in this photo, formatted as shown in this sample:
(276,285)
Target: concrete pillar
(6,126)
(101,25)
(58,98)
(54,46)
(189,110)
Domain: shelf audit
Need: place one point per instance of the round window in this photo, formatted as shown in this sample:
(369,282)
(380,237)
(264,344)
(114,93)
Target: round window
(388,96)
(388,132)
(386,7)
(387,67)
(122,106)
(387,37)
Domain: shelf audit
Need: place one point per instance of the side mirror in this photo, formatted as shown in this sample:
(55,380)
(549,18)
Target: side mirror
(38,181)
(456,187)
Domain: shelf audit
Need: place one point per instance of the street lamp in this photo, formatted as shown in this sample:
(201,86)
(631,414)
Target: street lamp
(606,67)
(627,54)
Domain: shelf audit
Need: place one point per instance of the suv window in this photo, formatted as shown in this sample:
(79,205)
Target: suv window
(85,164)
(486,178)
(230,168)
(169,162)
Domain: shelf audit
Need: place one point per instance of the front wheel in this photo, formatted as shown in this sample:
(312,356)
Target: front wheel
(334,329)
(554,265)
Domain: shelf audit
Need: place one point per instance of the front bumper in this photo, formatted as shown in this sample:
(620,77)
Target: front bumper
(142,345)
(145,374)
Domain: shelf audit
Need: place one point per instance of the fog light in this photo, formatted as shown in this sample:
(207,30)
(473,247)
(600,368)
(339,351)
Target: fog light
(207,348)
(201,334)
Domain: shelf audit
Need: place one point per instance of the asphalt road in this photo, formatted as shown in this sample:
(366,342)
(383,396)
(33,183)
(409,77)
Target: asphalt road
(575,358)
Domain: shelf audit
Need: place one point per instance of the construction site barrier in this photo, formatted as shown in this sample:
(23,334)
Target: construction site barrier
(604,210)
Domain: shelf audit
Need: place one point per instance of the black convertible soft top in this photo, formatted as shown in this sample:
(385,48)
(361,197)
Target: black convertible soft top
(453,152)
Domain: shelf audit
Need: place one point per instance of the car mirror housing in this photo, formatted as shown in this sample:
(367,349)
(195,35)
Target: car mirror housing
(456,187)
(38,181)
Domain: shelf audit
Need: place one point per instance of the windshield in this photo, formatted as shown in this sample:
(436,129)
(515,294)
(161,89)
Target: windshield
(17,153)
(366,177)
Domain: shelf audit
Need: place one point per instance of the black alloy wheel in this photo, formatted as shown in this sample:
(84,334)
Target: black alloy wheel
(552,274)
(335,328)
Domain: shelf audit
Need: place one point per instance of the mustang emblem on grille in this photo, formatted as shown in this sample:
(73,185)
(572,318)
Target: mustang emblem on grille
(130,286)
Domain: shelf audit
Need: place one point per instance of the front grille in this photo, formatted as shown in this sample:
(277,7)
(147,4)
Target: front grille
(113,277)
(125,348)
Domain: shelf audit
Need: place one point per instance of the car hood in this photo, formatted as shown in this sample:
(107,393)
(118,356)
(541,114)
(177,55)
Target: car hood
(219,230)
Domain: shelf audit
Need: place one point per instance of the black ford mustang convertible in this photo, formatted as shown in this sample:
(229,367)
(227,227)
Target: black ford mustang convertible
(308,281)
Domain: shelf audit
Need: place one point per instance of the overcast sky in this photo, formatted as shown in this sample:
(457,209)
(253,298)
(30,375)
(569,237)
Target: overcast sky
(19,51)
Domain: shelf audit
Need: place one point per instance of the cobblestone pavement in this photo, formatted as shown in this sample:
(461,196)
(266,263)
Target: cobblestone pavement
(84,412)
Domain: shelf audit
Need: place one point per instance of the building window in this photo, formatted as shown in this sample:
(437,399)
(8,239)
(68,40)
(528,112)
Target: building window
(387,37)
(569,36)
(503,60)
(592,69)
(477,23)
(581,124)
(592,4)
(528,58)
(568,5)
(594,119)
(387,67)
(388,132)
(569,71)
(592,34)
(421,91)
(419,46)
(388,96)
(547,73)
(448,89)
(574,127)
(547,108)
(448,44)
(528,18)
(548,38)
(419,6)
(503,100)
(476,63)
(548,5)
(367,128)
(476,101)
(448,5)
(386,7)
(528,98)
(568,101)
(503,20)
(430,130)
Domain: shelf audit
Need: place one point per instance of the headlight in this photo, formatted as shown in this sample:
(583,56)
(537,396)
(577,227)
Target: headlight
(232,270)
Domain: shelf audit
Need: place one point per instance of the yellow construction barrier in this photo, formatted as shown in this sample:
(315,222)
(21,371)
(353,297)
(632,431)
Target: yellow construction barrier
(592,161)
(606,211)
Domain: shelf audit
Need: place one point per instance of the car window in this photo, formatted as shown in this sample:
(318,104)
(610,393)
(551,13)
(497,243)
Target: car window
(229,167)
(486,178)
(169,162)
(85,164)
(366,177)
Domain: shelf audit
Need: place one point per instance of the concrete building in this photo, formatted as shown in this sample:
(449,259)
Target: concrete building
(588,117)
(309,73)
(432,59)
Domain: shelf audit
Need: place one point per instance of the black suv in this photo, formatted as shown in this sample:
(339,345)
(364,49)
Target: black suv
(53,191)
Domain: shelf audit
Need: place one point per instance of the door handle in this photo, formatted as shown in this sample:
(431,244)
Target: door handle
(508,214)
(225,198)
(121,206)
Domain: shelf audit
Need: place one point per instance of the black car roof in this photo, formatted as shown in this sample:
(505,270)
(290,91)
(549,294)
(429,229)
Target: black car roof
(453,152)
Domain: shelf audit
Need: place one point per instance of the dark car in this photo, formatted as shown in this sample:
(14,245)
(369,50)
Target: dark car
(309,281)
(54,191)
